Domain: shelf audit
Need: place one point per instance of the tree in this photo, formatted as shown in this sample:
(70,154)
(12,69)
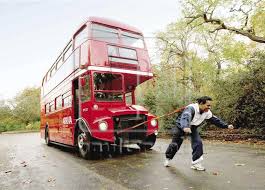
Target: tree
(26,105)
(241,98)
(243,17)
(198,57)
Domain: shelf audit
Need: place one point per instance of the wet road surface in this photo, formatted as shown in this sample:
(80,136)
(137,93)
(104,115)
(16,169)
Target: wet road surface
(27,163)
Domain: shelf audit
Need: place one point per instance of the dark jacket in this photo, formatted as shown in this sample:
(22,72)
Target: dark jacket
(185,118)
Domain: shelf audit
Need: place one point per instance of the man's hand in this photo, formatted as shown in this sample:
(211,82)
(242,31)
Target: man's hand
(230,127)
(187,130)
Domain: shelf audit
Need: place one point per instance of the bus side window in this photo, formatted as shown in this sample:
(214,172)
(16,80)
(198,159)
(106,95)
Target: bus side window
(58,102)
(67,99)
(81,37)
(53,71)
(52,106)
(48,76)
(67,52)
(85,88)
(47,108)
(59,63)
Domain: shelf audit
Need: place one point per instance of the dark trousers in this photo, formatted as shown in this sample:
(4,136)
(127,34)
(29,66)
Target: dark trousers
(177,139)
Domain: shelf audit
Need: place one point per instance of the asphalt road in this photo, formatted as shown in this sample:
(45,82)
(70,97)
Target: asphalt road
(27,163)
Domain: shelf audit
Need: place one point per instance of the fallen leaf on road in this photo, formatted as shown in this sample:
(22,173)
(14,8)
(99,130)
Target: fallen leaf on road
(8,171)
(238,164)
(27,181)
(215,173)
(51,179)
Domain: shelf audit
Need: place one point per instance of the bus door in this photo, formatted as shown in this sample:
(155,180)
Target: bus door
(85,97)
(76,98)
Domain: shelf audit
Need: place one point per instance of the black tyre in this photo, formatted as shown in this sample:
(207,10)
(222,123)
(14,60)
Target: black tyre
(148,143)
(84,144)
(47,137)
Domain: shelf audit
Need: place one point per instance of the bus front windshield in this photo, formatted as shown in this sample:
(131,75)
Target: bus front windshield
(108,87)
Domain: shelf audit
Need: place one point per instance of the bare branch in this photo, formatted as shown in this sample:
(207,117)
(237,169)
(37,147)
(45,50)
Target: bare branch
(192,18)
(222,26)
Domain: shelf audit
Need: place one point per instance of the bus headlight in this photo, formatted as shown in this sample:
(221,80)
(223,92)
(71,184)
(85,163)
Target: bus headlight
(103,126)
(153,122)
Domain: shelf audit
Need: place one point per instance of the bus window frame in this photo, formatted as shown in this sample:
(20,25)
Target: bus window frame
(67,95)
(59,105)
(89,86)
(129,34)
(119,58)
(109,29)
(68,51)
(82,29)
(53,70)
(93,87)
(59,63)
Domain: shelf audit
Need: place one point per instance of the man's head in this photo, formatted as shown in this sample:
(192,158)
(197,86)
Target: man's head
(205,103)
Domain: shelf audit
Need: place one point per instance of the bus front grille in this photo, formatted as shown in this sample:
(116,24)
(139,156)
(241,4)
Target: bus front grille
(134,135)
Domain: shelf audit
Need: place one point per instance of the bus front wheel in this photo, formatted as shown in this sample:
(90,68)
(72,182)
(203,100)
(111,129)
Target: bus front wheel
(148,142)
(84,144)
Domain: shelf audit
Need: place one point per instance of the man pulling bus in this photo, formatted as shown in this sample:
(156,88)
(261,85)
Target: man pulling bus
(188,123)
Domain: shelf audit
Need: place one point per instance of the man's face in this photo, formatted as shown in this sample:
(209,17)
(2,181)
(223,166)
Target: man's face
(205,107)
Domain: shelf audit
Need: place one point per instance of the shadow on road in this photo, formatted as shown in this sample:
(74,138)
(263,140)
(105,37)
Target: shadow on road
(112,152)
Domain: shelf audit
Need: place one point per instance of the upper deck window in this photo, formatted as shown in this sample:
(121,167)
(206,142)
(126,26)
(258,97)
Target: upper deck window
(122,55)
(68,52)
(81,37)
(127,53)
(103,33)
(53,71)
(132,40)
(59,63)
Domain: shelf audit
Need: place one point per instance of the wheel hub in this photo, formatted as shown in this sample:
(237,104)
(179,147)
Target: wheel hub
(81,140)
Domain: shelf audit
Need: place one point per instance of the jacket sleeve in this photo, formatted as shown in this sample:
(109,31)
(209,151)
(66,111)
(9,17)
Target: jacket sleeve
(186,117)
(217,121)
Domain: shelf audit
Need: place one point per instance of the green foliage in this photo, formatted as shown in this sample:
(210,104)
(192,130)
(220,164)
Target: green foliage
(250,106)
(27,105)
(235,52)
(257,20)
(240,96)
(150,101)
(198,59)
(22,112)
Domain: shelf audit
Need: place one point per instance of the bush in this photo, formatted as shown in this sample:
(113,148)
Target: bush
(240,96)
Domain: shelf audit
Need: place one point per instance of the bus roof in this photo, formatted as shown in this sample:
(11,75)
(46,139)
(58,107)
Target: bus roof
(104,21)
(111,22)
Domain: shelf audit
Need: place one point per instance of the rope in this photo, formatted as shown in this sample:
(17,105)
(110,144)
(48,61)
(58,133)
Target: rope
(158,117)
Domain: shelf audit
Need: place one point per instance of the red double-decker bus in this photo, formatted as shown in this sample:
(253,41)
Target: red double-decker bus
(88,94)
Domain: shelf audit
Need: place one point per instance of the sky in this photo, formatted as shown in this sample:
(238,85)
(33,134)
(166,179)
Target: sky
(34,32)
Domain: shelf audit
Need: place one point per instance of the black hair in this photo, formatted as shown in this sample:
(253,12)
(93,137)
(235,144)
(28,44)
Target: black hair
(203,99)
